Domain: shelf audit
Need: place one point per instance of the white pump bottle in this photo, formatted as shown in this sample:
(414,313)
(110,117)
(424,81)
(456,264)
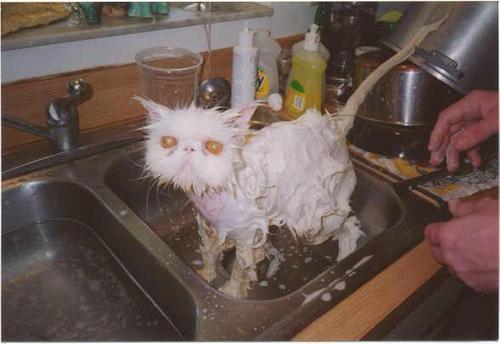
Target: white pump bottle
(244,70)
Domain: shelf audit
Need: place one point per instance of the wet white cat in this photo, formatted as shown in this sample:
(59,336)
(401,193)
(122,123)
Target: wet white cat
(294,173)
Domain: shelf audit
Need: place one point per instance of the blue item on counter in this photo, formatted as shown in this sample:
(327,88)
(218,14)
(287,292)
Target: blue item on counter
(140,9)
(160,7)
(92,12)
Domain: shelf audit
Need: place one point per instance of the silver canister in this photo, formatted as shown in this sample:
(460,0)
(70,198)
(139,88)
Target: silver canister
(407,95)
(463,51)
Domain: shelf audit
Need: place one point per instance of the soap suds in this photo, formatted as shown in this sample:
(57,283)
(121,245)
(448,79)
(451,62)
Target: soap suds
(309,297)
(263,283)
(340,286)
(276,257)
(362,261)
(197,262)
(326,297)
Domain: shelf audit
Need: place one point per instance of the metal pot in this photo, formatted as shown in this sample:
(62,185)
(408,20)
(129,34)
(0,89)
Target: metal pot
(406,95)
(463,51)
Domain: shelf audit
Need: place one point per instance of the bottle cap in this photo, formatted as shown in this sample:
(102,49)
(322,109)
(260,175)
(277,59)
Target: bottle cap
(246,38)
(311,42)
(313,28)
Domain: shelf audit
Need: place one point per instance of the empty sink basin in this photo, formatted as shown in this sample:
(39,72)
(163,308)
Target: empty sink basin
(61,281)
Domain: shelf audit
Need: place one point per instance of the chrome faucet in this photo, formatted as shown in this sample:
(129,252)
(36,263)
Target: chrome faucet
(62,118)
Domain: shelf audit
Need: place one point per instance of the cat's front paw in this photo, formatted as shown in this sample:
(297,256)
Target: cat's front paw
(236,289)
(207,274)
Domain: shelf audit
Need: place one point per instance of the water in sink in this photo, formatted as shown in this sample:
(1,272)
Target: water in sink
(60,281)
(169,214)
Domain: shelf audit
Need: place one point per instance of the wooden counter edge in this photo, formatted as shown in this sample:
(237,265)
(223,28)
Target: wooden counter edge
(355,316)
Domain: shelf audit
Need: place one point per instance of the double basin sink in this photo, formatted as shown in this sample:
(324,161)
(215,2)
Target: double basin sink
(93,250)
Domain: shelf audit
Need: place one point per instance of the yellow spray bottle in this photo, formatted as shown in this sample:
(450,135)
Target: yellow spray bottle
(305,84)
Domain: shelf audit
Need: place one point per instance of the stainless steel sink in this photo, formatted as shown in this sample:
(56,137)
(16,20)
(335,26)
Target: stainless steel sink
(170,215)
(93,251)
(62,278)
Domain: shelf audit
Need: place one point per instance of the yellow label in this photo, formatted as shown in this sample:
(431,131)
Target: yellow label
(295,103)
(262,86)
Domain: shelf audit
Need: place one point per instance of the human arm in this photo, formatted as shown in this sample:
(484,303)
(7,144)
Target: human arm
(468,243)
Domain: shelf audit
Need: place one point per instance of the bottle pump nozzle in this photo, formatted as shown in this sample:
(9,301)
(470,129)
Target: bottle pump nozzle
(246,37)
(313,28)
(312,39)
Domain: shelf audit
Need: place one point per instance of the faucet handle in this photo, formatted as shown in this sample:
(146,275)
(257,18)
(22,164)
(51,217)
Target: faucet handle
(62,115)
(78,87)
(61,109)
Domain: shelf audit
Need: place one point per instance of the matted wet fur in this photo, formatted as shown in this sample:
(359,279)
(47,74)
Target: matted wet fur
(295,173)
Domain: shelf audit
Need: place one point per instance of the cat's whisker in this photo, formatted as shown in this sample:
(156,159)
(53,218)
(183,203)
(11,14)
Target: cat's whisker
(151,186)
(138,179)
(135,162)
(158,202)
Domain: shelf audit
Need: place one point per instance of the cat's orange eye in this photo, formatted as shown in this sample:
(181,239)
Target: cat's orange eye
(168,141)
(214,147)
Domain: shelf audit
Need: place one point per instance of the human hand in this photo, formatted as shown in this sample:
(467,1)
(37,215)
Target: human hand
(462,127)
(468,244)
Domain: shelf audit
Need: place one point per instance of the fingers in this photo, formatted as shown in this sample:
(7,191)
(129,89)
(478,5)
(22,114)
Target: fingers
(431,233)
(436,254)
(465,109)
(452,158)
(438,155)
(474,157)
(475,106)
(438,135)
(468,244)
(450,151)
(475,134)
(445,150)
(461,208)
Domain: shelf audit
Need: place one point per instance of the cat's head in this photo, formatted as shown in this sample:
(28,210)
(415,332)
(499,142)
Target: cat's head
(195,149)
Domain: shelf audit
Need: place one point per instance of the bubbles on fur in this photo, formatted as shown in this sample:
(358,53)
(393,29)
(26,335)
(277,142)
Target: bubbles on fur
(295,173)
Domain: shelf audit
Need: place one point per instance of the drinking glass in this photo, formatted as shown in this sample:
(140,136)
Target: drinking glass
(169,75)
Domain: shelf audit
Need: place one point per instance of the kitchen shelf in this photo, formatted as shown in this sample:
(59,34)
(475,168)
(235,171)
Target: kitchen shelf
(180,16)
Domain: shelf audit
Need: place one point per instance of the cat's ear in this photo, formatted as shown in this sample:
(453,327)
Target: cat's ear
(155,111)
(243,116)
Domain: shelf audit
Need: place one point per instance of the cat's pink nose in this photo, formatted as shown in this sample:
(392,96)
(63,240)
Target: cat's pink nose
(189,149)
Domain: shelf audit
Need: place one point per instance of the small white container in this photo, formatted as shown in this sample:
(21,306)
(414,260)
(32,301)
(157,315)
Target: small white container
(267,65)
(244,70)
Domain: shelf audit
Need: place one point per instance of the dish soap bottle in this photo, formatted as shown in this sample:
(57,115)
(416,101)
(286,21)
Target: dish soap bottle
(267,65)
(244,70)
(305,86)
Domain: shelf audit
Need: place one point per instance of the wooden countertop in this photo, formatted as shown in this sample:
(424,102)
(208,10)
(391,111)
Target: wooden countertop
(359,313)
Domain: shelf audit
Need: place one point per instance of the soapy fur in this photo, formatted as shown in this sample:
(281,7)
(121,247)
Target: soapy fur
(295,173)
(291,173)
(191,127)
